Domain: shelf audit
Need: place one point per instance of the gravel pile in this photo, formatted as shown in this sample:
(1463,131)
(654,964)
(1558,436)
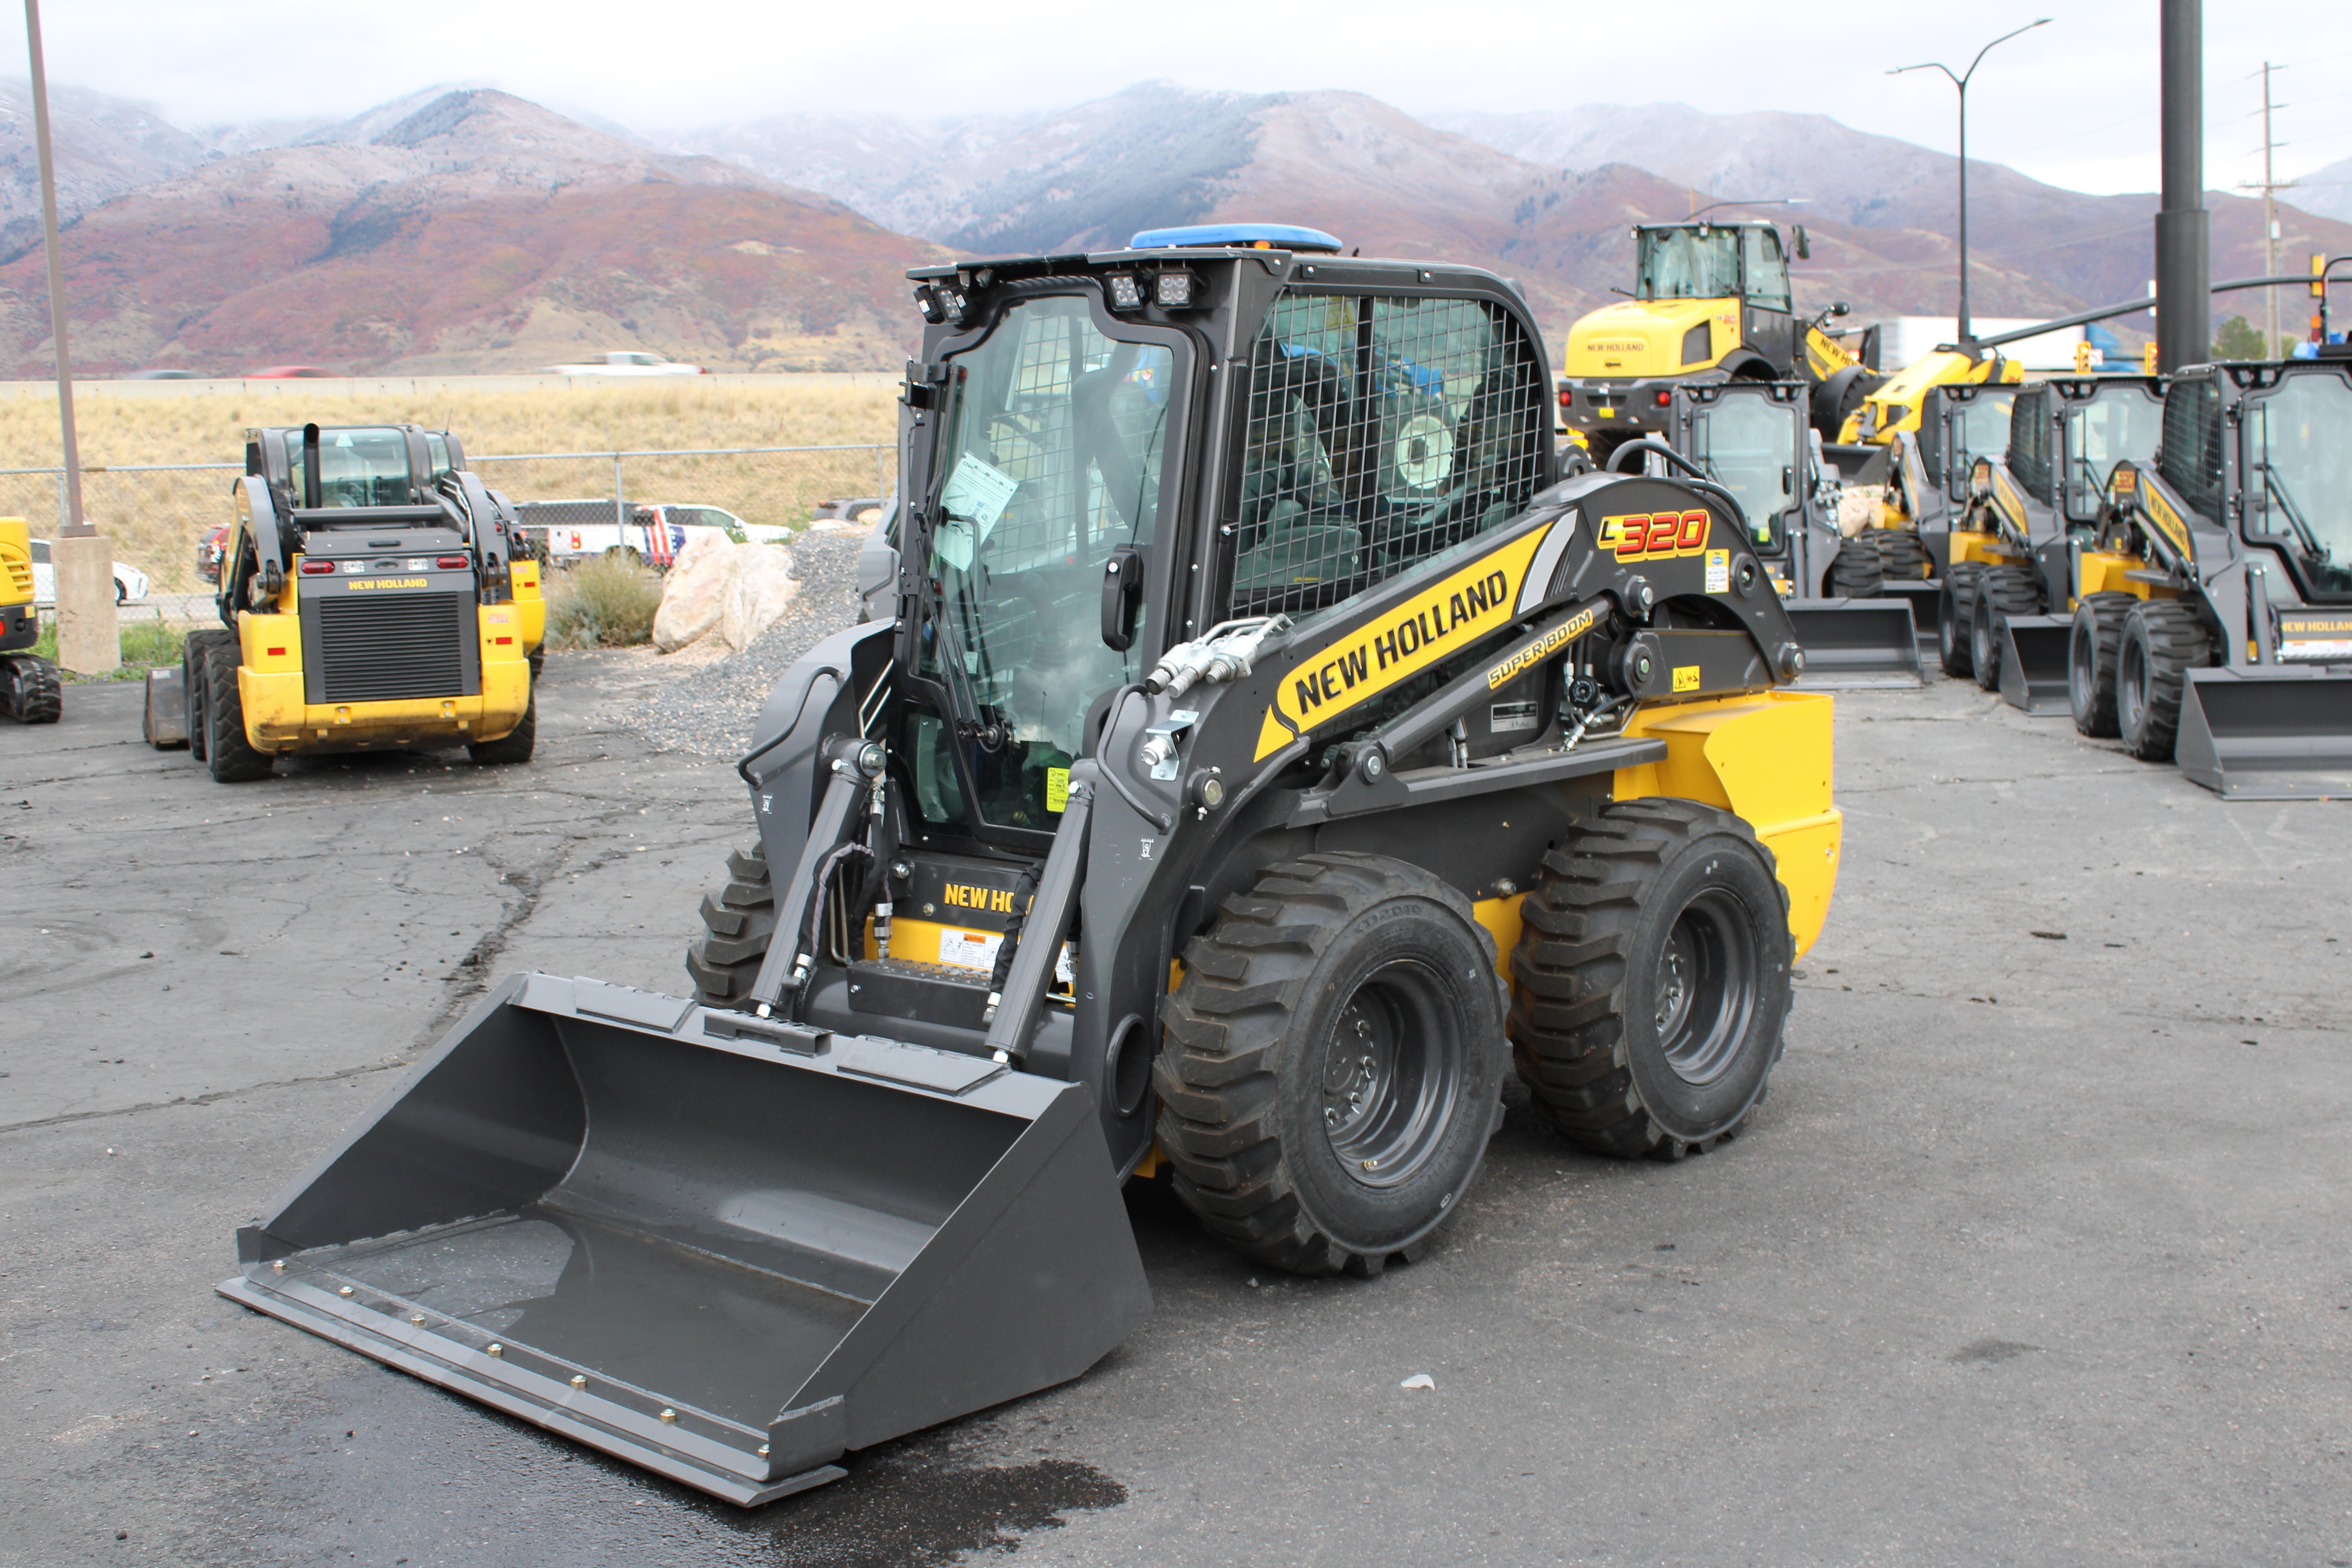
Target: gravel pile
(709,708)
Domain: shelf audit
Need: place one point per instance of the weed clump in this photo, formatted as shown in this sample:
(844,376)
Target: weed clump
(606,601)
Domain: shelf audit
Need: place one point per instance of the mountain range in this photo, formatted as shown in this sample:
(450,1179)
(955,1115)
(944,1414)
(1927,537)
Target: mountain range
(464,229)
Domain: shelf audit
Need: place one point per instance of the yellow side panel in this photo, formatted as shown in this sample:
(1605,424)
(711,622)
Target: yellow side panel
(15,561)
(273,705)
(1768,760)
(1501,918)
(529,604)
(2103,573)
(1644,337)
(1968,545)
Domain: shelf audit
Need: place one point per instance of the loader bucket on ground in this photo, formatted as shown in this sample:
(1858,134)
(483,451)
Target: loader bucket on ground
(1855,642)
(2033,663)
(2272,734)
(724,1254)
(1926,600)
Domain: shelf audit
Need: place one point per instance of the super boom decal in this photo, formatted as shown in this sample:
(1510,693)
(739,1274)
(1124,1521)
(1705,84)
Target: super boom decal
(1480,597)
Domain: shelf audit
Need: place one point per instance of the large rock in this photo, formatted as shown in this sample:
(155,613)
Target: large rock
(736,590)
(758,592)
(1860,506)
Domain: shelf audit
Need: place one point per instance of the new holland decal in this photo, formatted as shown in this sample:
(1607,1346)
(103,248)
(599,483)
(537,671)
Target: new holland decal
(1366,661)
(2168,521)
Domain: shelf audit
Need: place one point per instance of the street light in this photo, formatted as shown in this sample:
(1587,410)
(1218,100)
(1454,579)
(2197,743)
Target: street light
(1960,81)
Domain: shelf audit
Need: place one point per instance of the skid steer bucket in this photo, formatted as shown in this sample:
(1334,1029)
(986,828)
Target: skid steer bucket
(724,1249)
(2033,663)
(1856,643)
(2276,734)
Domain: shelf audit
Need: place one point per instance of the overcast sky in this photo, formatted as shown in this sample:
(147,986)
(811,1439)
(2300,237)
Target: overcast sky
(2074,103)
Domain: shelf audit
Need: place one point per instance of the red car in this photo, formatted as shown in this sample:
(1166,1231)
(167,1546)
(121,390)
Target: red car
(208,554)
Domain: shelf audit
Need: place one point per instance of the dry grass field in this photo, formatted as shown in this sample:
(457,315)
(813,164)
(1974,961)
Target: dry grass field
(158,518)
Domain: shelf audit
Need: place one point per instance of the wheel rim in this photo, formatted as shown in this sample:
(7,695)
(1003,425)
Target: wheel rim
(1706,989)
(1391,1065)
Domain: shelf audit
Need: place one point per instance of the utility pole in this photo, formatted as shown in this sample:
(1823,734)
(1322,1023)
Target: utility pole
(88,640)
(2270,188)
(2184,322)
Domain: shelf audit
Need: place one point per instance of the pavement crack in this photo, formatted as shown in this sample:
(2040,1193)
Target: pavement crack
(208,1099)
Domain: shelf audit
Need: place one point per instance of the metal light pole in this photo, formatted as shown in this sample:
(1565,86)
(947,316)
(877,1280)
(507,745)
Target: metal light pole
(87,641)
(2184,319)
(1960,81)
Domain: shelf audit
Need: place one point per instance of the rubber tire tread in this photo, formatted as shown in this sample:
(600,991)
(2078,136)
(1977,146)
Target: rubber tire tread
(196,664)
(1217,1070)
(37,692)
(1952,622)
(1577,924)
(2175,642)
(1902,557)
(2000,592)
(232,757)
(1856,571)
(515,745)
(737,922)
(2101,617)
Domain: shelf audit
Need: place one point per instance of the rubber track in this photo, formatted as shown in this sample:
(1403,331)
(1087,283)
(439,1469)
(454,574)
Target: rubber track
(1220,1110)
(1568,1008)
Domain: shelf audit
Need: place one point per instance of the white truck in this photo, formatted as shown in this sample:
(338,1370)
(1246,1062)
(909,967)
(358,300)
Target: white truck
(568,531)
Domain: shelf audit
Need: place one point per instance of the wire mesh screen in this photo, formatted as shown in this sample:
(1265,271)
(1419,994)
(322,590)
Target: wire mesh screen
(1379,432)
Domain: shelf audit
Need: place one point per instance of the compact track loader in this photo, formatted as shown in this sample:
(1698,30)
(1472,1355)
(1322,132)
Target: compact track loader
(2011,575)
(374,596)
(1260,755)
(2213,624)
(30,690)
(1710,303)
(1856,626)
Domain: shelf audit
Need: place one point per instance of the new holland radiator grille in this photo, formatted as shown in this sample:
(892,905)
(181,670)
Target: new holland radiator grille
(379,648)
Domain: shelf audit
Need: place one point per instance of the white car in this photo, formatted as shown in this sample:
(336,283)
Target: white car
(626,362)
(129,583)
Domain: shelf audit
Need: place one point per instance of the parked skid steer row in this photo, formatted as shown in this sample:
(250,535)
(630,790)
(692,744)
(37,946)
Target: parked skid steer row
(372,597)
(2213,624)
(2015,552)
(1856,625)
(1263,755)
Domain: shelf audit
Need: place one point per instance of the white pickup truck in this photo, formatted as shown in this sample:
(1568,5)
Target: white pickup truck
(573,530)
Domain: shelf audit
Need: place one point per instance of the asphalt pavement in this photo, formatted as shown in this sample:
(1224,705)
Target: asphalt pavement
(2036,1253)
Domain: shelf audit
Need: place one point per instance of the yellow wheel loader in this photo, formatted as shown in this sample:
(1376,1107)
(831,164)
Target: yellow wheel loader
(30,690)
(1710,303)
(372,597)
(1897,404)
(2213,624)
(1261,752)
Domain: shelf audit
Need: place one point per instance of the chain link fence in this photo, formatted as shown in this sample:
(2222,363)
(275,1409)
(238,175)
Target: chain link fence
(158,515)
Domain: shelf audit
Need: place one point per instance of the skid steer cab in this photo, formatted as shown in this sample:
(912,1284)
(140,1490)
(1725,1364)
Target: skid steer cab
(2213,624)
(1929,467)
(2012,574)
(1852,602)
(1259,755)
(374,596)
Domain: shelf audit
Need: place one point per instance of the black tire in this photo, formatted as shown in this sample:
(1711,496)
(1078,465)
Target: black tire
(515,745)
(1856,572)
(1333,1064)
(1958,596)
(232,757)
(737,922)
(537,659)
(2000,592)
(1902,557)
(2091,650)
(36,692)
(2162,641)
(196,672)
(1653,980)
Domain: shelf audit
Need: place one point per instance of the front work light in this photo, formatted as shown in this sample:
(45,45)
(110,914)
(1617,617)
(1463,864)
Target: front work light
(1173,290)
(1126,293)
